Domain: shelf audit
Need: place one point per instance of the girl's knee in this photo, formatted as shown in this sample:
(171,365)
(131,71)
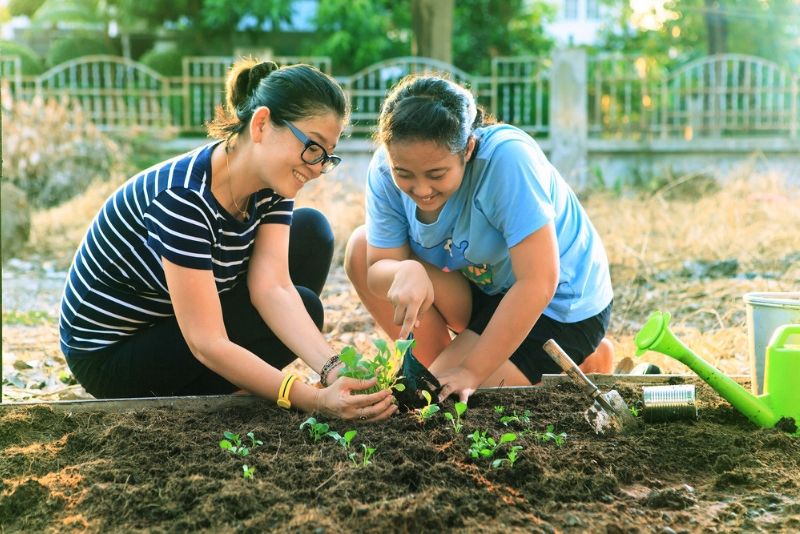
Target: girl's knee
(355,256)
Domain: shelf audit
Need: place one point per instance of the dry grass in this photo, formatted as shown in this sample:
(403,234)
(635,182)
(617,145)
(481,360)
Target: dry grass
(753,219)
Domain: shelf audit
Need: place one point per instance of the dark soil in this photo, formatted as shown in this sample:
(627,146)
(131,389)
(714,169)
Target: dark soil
(160,469)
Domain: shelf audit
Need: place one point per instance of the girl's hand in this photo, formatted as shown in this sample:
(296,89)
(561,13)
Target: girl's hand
(457,381)
(411,294)
(338,400)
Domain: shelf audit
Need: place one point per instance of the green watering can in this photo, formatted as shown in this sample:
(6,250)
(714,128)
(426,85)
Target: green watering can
(780,402)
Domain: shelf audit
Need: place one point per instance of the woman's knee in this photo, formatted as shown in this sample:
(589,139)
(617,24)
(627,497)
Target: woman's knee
(313,306)
(310,248)
(355,257)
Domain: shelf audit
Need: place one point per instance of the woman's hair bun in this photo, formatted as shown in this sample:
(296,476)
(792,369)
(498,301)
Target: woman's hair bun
(259,72)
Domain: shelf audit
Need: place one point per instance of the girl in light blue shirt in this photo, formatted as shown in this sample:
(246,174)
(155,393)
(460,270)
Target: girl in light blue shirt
(471,231)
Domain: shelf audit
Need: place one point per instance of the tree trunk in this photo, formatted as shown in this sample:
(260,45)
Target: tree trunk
(432,22)
(716,27)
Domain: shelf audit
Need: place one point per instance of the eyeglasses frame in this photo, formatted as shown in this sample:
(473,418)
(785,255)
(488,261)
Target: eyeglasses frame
(329,161)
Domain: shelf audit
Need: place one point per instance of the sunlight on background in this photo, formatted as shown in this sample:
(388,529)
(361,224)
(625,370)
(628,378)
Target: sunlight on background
(650,14)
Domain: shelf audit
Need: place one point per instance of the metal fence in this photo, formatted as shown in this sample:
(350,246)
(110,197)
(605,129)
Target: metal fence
(627,97)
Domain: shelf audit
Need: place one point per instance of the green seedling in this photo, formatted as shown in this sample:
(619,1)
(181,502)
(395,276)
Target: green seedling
(634,411)
(253,441)
(427,411)
(455,418)
(316,429)
(345,440)
(247,472)
(511,457)
(233,444)
(385,365)
(550,435)
(484,446)
(524,419)
(366,456)
(499,409)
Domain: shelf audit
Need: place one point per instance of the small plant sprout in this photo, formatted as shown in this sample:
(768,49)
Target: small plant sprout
(253,441)
(316,429)
(634,411)
(523,419)
(345,440)
(455,418)
(499,409)
(247,471)
(233,444)
(368,452)
(485,446)
(511,457)
(427,411)
(550,435)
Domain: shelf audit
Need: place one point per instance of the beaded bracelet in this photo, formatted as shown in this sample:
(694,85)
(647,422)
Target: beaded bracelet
(332,362)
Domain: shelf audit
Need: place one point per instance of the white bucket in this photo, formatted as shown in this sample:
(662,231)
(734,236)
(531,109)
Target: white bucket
(765,313)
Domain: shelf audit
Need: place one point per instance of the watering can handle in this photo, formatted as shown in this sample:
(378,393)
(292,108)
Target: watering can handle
(565,362)
(782,335)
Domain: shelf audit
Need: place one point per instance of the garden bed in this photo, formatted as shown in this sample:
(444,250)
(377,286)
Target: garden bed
(157,466)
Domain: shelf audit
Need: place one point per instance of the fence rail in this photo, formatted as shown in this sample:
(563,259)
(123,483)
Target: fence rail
(627,97)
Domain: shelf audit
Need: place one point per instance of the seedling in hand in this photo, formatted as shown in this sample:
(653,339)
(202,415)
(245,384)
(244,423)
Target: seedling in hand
(427,411)
(317,430)
(385,365)
(455,419)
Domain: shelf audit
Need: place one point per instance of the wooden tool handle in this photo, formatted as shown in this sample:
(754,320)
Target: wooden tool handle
(573,371)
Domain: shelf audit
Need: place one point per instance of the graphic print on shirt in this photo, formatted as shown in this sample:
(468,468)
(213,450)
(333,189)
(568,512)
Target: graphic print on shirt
(451,257)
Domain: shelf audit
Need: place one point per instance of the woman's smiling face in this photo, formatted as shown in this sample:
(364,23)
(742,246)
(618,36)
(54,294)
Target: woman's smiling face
(427,172)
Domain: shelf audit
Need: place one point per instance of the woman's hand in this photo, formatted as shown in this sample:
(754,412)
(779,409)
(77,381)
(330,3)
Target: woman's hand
(338,400)
(457,381)
(411,294)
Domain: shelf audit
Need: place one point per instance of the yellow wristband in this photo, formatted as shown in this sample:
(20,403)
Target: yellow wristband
(283,391)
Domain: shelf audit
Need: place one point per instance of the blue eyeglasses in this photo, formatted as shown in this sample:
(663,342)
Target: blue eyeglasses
(313,152)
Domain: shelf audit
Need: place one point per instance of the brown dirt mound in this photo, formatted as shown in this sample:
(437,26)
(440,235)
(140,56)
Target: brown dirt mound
(161,469)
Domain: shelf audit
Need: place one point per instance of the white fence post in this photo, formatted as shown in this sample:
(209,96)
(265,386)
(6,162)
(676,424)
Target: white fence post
(569,118)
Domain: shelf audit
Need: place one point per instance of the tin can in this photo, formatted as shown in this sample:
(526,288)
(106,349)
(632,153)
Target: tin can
(669,403)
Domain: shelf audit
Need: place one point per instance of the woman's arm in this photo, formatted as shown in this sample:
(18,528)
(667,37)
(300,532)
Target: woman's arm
(535,264)
(199,315)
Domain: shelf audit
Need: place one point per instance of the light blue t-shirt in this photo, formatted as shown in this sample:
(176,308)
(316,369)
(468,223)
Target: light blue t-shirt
(509,191)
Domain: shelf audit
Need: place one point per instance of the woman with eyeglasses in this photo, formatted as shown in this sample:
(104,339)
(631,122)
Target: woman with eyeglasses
(197,276)
(475,243)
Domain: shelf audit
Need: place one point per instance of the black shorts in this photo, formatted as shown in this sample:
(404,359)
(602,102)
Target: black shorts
(578,340)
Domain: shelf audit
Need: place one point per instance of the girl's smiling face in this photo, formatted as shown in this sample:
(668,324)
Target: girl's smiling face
(427,172)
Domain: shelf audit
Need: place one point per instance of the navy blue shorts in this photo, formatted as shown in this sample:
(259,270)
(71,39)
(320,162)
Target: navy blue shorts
(579,340)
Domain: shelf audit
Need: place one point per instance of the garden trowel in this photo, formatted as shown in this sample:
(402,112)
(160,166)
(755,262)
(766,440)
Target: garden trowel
(416,378)
(608,413)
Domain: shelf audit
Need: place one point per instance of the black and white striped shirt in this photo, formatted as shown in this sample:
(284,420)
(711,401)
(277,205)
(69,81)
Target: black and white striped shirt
(116,285)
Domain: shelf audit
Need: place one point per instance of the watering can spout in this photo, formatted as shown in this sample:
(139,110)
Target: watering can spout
(655,335)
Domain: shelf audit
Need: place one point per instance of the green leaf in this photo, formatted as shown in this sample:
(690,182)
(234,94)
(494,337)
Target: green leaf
(225,445)
(461,407)
(349,435)
(509,436)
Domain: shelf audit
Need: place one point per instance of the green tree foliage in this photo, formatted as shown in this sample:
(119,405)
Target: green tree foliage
(765,28)
(358,33)
(484,29)
(76,46)
(31,62)
(24,8)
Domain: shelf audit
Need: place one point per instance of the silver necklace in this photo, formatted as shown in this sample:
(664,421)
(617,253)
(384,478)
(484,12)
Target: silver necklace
(242,212)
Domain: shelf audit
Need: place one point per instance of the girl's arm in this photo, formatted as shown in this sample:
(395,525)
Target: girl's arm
(391,274)
(536,266)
